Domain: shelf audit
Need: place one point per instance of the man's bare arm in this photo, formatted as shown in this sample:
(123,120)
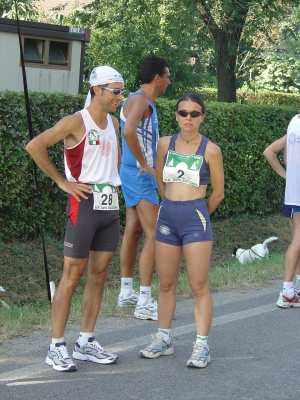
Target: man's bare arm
(38,146)
(136,112)
(116,126)
(271,155)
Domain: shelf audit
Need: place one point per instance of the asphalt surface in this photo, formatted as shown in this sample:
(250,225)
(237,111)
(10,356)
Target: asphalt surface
(253,344)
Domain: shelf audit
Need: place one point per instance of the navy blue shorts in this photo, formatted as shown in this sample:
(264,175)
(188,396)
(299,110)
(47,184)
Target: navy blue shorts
(183,222)
(286,210)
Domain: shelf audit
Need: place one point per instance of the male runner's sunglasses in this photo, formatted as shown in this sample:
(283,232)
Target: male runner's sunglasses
(193,114)
(116,92)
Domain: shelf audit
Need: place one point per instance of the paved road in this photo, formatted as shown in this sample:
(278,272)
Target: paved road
(254,349)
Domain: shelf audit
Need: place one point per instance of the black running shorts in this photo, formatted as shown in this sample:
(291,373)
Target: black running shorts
(89,229)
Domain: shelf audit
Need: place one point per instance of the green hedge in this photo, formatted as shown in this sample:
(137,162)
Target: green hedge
(242,132)
(248,97)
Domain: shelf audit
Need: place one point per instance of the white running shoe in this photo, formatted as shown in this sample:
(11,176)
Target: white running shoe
(59,358)
(132,300)
(200,356)
(285,302)
(158,347)
(148,311)
(92,351)
(297,287)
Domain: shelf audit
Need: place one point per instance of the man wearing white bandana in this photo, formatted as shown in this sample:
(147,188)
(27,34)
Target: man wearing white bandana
(92,158)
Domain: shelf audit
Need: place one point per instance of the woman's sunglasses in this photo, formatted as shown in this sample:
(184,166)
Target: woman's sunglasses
(193,114)
(116,92)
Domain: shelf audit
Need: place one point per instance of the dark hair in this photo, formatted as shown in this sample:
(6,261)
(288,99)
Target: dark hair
(192,97)
(150,67)
(92,89)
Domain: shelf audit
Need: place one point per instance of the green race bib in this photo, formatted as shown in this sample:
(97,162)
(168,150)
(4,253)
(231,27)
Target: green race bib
(184,168)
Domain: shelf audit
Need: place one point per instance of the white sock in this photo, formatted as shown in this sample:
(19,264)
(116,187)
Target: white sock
(126,287)
(288,289)
(166,333)
(145,295)
(84,337)
(202,339)
(58,340)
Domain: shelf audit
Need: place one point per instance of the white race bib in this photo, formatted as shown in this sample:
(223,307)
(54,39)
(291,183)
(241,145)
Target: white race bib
(182,168)
(105,197)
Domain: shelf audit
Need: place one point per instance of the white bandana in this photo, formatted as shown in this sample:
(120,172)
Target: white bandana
(102,76)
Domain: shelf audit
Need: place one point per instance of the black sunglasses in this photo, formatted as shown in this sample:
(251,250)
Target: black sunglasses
(116,92)
(193,114)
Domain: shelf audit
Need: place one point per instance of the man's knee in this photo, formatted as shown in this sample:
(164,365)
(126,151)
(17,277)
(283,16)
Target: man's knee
(73,270)
(167,286)
(133,230)
(68,283)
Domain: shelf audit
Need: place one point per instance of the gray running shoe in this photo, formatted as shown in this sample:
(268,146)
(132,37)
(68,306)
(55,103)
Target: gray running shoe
(129,300)
(148,311)
(297,288)
(200,356)
(92,351)
(59,358)
(157,348)
(285,302)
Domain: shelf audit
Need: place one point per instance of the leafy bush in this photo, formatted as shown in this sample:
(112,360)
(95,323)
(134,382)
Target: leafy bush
(251,97)
(242,131)
(277,71)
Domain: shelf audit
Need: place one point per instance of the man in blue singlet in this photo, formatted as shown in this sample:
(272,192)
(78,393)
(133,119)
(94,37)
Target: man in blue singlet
(139,128)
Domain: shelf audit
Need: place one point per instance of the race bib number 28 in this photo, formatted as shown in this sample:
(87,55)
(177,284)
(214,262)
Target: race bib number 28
(105,197)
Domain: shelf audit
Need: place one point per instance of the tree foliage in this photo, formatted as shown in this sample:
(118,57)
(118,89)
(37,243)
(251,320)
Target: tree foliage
(277,72)
(224,38)
(126,31)
(277,66)
(231,24)
(26,9)
(211,43)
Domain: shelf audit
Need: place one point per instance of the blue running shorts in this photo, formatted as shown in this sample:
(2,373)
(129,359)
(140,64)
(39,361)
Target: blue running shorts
(183,222)
(295,209)
(136,188)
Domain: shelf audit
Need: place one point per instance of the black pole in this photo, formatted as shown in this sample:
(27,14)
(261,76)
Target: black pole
(31,137)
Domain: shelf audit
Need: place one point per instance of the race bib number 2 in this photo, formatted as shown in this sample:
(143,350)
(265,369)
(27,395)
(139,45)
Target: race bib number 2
(182,168)
(105,197)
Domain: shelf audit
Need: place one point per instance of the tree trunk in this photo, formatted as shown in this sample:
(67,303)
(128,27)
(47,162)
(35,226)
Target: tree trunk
(227,37)
(225,65)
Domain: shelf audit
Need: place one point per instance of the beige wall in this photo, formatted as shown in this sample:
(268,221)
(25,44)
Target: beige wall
(38,79)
